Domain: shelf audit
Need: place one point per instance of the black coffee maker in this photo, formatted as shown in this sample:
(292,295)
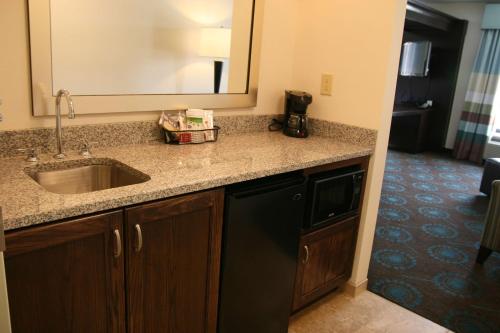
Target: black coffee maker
(295,122)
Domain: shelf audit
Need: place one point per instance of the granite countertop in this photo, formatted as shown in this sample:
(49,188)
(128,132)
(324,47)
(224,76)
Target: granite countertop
(173,170)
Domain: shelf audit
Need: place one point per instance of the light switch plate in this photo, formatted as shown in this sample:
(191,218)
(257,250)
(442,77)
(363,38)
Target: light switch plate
(326,84)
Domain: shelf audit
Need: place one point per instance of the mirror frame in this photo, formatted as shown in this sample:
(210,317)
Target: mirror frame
(43,101)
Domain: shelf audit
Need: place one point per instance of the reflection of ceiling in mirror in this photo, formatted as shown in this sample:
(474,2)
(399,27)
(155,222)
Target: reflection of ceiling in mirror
(165,13)
(205,13)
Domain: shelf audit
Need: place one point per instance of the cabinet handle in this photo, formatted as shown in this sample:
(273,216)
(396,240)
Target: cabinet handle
(306,250)
(118,244)
(138,242)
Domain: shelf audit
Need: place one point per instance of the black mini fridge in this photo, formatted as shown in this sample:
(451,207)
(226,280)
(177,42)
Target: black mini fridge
(263,219)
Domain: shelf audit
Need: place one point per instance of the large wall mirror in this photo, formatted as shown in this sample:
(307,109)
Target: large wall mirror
(144,55)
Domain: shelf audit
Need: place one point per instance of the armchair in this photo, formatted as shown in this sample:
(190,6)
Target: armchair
(491,234)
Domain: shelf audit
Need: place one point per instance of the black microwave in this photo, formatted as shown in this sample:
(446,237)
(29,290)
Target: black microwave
(333,195)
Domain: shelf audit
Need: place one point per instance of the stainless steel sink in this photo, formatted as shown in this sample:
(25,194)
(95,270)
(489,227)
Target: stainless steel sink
(96,175)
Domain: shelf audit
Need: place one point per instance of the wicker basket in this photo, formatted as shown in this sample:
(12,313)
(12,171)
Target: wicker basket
(191,136)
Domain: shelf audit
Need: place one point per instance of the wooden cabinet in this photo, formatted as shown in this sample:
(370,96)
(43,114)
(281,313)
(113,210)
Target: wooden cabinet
(173,256)
(162,265)
(67,277)
(409,129)
(325,260)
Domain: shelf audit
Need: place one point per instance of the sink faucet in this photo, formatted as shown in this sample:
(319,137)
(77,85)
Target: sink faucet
(71,115)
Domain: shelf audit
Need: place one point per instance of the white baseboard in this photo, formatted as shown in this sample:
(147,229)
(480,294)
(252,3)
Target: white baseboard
(355,290)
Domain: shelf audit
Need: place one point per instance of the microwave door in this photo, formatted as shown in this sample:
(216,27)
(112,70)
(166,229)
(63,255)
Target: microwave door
(333,197)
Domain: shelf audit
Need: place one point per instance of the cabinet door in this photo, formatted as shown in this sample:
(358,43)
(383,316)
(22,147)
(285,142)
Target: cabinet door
(173,263)
(325,261)
(67,277)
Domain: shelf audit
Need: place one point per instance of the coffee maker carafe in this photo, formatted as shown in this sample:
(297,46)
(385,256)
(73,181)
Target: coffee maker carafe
(295,122)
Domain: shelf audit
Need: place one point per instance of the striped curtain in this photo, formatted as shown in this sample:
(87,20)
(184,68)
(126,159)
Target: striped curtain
(476,119)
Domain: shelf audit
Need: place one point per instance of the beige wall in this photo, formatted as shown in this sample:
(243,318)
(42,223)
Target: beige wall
(358,42)
(275,71)
(350,40)
(472,12)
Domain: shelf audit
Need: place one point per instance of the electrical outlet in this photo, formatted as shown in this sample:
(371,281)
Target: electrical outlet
(326,84)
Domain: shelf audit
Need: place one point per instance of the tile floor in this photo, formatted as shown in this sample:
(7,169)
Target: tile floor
(370,313)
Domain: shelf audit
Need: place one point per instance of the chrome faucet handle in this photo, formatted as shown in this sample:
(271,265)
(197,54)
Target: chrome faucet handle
(71,114)
(86,149)
(31,154)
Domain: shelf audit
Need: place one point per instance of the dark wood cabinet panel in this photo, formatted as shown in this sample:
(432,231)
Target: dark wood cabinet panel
(325,260)
(409,129)
(71,276)
(173,263)
(363,162)
(67,277)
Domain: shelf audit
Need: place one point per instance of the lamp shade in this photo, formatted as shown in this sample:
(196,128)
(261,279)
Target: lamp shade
(415,59)
(215,42)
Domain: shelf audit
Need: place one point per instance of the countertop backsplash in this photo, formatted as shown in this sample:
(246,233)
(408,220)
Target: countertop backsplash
(140,132)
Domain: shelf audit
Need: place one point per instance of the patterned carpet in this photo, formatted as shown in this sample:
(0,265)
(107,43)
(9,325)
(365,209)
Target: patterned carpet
(428,231)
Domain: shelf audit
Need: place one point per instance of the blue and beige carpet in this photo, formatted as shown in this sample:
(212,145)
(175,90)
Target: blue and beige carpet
(428,231)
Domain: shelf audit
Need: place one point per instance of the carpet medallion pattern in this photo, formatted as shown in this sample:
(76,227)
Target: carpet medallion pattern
(428,233)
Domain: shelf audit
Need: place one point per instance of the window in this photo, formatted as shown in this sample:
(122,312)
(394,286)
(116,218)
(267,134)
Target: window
(495,133)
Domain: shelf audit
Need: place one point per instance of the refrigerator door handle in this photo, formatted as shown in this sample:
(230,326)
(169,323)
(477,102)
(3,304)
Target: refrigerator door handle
(306,251)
